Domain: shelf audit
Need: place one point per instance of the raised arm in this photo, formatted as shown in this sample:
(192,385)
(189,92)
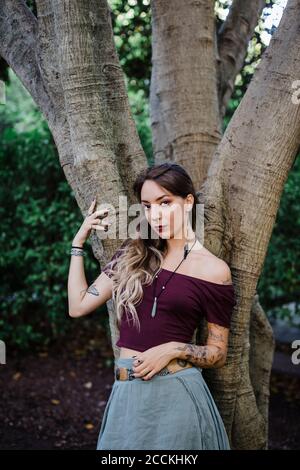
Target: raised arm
(82,298)
(93,296)
(87,298)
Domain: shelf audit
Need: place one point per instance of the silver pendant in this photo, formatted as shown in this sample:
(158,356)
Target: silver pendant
(153,312)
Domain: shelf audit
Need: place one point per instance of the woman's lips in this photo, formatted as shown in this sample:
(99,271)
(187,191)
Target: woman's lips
(160,227)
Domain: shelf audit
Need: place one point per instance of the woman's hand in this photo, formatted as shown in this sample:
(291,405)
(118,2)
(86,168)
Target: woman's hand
(153,360)
(92,221)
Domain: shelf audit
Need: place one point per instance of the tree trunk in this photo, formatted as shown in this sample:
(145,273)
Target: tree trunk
(262,346)
(256,154)
(183,96)
(106,148)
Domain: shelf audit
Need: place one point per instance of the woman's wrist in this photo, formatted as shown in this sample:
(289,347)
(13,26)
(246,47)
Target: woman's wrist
(175,349)
(77,242)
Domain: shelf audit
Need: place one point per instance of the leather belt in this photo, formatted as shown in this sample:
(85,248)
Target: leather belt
(125,373)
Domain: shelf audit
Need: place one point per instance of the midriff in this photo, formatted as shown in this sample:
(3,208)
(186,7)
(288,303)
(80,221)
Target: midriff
(126,352)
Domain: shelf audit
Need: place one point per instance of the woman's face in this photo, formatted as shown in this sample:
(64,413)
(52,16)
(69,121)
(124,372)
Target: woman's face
(165,212)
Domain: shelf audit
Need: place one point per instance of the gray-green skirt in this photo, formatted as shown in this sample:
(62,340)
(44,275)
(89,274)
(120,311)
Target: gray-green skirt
(167,412)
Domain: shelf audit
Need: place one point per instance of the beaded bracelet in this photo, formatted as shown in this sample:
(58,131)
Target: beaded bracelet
(77,251)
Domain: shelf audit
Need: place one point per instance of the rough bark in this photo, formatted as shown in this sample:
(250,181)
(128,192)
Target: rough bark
(190,68)
(107,151)
(233,40)
(262,346)
(18,33)
(183,95)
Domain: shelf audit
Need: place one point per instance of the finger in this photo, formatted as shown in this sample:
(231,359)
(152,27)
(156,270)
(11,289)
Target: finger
(105,227)
(92,207)
(141,372)
(139,366)
(149,375)
(102,212)
(93,203)
(100,227)
(138,361)
(99,222)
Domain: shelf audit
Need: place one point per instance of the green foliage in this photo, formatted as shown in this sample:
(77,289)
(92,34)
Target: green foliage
(280,279)
(140,109)
(39,218)
(256,47)
(131,21)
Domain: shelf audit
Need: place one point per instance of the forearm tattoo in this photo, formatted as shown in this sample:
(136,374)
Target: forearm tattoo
(202,356)
(91,290)
(216,335)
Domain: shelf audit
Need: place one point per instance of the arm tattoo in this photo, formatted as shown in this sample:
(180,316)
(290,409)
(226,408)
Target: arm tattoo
(216,336)
(91,290)
(202,356)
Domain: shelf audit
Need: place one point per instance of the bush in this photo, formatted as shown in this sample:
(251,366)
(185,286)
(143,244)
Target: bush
(39,218)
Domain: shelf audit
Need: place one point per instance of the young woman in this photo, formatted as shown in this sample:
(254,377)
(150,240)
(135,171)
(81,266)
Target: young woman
(160,287)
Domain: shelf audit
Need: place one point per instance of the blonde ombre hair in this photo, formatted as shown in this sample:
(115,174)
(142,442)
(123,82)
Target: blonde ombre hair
(137,261)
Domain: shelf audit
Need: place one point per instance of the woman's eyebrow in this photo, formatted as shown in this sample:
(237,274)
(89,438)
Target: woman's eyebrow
(160,197)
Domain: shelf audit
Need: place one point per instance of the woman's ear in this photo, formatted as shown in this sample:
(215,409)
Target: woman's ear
(189,202)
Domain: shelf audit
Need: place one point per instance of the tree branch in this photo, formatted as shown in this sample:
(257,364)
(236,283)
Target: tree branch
(233,39)
(47,46)
(18,37)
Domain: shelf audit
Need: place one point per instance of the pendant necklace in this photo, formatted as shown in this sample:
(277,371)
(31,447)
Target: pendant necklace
(186,252)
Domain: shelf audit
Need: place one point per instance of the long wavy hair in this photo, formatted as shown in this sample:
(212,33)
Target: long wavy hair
(139,260)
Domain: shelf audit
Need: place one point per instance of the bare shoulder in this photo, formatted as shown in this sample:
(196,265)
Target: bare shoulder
(220,271)
(212,268)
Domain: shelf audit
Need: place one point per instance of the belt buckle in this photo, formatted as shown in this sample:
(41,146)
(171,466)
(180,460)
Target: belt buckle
(164,371)
(130,375)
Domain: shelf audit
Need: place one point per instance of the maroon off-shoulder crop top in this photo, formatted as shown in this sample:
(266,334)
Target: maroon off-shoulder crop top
(179,308)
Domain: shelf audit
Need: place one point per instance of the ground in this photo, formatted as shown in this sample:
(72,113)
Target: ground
(55,398)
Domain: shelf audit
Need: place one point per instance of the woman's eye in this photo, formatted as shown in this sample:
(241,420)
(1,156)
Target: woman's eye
(146,207)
